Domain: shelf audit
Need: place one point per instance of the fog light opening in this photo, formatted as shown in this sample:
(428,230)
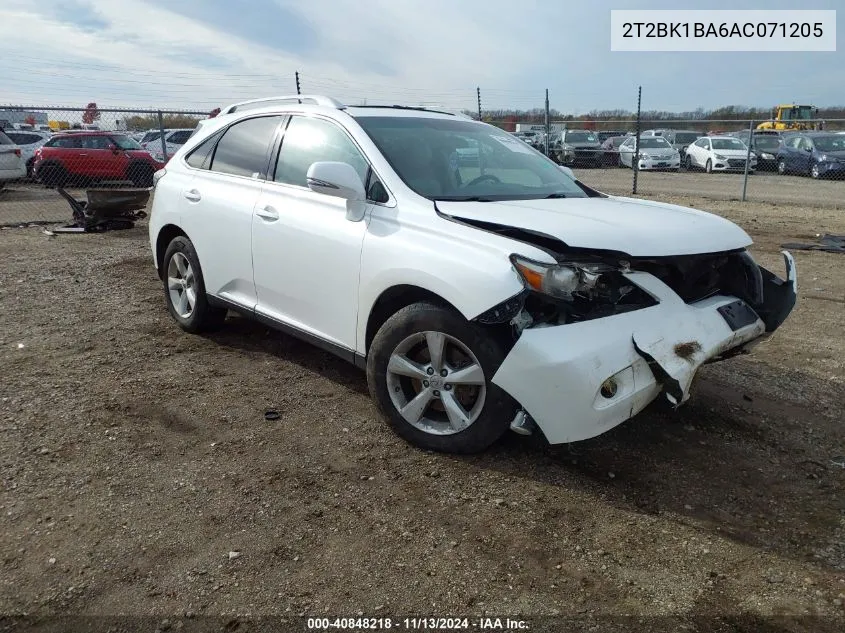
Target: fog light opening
(609,388)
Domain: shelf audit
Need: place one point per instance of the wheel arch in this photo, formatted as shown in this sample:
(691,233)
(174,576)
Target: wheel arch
(393,299)
(166,234)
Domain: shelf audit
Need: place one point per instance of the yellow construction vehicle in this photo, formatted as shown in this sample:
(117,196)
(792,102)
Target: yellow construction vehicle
(792,117)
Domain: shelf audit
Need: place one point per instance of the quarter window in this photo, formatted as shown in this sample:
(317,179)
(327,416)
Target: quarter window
(307,141)
(242,151)
(200,156)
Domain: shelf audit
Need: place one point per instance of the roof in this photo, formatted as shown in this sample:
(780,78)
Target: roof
(89,132)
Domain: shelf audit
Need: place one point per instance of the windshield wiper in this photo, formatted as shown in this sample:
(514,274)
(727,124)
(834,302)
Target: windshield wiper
(467,199)
(558,194)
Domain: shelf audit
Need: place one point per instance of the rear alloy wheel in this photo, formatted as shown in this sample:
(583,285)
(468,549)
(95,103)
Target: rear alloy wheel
(429,371)
(782,167)
(709,166)
(814,171)
(141,175)
(184,289)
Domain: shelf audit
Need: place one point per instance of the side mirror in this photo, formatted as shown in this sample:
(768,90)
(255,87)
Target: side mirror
(112,147)
(336,179)
(567,171)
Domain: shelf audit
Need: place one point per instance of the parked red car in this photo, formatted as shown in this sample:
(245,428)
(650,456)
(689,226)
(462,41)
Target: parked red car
(80,157)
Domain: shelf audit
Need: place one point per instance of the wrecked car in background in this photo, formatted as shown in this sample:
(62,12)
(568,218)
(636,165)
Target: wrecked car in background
(482,289)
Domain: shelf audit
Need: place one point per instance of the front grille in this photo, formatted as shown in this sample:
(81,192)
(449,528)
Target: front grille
(736,162)
(696,277)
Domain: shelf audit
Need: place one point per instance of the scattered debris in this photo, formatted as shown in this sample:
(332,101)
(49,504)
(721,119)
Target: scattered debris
(234,554)
(827,242)
(838,461)
(21,345)
(747,398)
(272,414)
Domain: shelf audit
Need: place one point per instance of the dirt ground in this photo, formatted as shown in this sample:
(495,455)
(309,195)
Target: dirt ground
(140,476)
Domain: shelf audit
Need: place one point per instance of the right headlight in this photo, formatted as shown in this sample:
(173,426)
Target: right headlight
(562,280)
(719,157)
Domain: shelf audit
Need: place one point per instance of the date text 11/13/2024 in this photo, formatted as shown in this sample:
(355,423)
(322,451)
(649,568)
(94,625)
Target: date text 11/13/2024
(417,624)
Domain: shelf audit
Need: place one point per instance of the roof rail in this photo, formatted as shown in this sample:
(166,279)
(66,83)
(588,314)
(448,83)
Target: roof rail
(267,101)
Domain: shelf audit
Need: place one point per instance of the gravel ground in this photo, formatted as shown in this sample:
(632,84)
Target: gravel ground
(140,477)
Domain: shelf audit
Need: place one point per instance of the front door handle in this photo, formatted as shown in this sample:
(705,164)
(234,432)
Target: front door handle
(193,195)
(267,213)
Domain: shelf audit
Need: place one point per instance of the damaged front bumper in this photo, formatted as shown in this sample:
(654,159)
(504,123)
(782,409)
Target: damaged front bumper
(581,379)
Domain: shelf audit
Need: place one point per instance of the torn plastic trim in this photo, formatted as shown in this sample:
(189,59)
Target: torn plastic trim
(671,386)
(779,295)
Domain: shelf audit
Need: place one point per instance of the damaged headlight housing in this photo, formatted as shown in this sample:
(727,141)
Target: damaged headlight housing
(562,280)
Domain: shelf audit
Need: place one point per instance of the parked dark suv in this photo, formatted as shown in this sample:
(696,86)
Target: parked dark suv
(818,154)
(80,157)
(766,145)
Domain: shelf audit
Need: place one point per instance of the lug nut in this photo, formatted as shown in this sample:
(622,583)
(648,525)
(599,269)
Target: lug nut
(436,393)
(425,383)
(448,387)
(430,370)
(444,373)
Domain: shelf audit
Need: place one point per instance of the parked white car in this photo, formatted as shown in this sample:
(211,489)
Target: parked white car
(173,139)
(719,153)
(12,166)
(654,152)
(28,142)
(477,297)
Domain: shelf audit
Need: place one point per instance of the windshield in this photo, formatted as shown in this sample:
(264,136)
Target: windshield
(654,142)
(580,137)
(687,137)
(832,143)
(448,159)
(804,112)
(150,136)
(727,143)
(766,141)
(125,142)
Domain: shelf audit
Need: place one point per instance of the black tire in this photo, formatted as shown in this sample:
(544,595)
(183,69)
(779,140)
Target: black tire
(204,317)
(141,174)
(782,167)
(498,409)
(30,166)
(52,175)
(689,162)
(708,166)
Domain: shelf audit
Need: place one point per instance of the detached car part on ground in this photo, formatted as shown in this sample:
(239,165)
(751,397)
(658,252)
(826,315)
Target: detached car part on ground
(477,297)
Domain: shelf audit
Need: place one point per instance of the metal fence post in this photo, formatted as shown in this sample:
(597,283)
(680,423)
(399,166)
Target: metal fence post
(635,161)
(161,129)
(748,158)
(548,126)
(296,74)
(478,94)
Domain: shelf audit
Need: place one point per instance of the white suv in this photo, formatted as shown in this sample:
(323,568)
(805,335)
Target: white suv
(479,284)
(12,165)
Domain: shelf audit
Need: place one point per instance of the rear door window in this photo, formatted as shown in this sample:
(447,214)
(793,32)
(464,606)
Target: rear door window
(244,147)
(179,138)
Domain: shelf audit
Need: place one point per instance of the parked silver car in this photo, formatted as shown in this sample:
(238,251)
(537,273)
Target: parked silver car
(679,139)
(654,153)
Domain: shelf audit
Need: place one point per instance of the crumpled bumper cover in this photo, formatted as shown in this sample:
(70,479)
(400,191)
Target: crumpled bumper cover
(556,373)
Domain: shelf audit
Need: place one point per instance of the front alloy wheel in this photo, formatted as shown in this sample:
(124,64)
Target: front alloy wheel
(436,383)
(429,371)
(814,171)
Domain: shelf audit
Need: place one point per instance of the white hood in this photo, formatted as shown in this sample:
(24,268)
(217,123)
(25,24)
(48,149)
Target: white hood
(640,228)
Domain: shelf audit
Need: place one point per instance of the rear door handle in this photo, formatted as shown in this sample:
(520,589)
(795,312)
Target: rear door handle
(193,195)
(268,213)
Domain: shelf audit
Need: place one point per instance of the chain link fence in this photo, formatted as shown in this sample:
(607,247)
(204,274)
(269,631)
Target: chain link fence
(701,158)
(48,150)
(45,151)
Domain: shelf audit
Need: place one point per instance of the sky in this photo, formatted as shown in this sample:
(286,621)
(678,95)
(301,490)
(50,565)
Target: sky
(202,54)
